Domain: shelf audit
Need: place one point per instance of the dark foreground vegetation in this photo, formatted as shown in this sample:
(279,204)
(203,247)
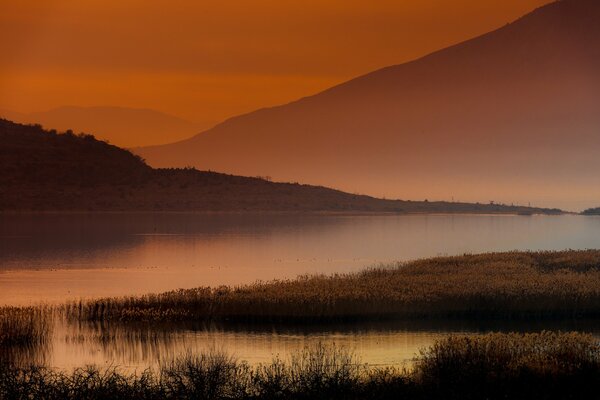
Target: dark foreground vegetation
(514,285)
(47,171)
(494,366)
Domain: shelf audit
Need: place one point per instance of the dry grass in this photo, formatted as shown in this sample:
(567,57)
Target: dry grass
(502,285)
(495,366)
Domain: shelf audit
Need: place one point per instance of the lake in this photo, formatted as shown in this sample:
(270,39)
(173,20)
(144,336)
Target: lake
(49,258)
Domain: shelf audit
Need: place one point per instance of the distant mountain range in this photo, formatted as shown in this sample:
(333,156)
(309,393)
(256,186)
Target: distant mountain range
(45,171)
(122,126)
(512,115)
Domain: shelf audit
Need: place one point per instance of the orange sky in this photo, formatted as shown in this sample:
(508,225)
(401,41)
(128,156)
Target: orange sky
(207,60)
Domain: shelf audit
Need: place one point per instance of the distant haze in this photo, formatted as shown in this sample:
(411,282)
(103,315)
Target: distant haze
(209,60)
(511,116)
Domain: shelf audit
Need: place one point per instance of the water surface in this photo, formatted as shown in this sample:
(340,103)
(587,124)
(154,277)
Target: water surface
(53,257)
(136,347)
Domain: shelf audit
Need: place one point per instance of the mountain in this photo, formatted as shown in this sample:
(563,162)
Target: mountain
(126,127)
(45,171)
(511,115)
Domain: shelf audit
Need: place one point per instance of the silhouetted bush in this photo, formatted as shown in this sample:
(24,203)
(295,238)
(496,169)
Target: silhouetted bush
(495,366)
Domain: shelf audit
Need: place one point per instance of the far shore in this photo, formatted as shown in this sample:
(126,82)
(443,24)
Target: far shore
(299,212)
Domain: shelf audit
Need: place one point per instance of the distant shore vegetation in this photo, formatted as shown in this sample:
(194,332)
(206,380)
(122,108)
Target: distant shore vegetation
(592,211)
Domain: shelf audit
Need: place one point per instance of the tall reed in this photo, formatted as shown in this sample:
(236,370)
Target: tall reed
(21,326)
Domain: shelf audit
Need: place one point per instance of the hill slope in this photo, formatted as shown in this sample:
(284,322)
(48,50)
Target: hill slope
(119,125)
(42,170)
(510,115)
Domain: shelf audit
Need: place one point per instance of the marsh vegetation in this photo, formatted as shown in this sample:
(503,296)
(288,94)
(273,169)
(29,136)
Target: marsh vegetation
(514,285)
(494,366)
(502,287)
(24,326)
(24,334)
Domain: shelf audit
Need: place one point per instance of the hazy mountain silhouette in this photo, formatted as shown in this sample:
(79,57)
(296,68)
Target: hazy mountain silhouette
(122,126)
(513,114)
(43,170)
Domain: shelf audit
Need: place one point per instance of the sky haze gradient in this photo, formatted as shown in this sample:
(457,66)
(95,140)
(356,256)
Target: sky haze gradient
(209,60)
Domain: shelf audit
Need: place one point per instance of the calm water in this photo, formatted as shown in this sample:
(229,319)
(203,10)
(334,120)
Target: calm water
(50,258)
(136,348)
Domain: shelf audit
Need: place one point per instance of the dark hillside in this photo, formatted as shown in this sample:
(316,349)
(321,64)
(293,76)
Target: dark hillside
(29,154)
(46,171)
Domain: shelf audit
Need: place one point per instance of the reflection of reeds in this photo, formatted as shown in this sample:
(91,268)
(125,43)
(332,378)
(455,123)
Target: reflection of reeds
(125,341)
(494,366)
(24,334)
(23,326)
(508,285)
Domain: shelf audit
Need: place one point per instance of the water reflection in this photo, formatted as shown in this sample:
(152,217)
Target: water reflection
(26,355)
(52,257)
(135,347)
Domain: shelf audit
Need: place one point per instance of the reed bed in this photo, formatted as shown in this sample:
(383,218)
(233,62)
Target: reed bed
(24,326)
(494,366)
(496,285)
(550,363)
(24,334)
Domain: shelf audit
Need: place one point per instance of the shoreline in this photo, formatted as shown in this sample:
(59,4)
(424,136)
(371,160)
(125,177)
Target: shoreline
(283,213)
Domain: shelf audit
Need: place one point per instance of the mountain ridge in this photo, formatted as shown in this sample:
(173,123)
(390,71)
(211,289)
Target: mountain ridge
(500,107)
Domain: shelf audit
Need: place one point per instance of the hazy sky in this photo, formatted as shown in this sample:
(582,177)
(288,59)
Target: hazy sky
(207,60)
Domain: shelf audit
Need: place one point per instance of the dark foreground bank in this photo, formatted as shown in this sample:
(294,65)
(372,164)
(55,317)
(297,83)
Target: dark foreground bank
(494,366)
